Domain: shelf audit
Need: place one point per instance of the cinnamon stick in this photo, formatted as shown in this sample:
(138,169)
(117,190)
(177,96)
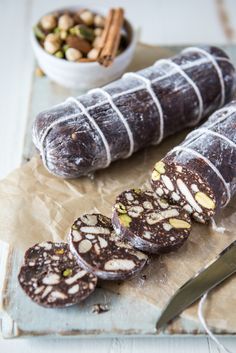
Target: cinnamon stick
(111,37)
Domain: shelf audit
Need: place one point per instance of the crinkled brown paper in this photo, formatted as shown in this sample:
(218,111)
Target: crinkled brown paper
(37,206)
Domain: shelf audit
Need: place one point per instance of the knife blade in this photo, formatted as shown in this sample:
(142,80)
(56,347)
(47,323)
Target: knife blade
(207,278)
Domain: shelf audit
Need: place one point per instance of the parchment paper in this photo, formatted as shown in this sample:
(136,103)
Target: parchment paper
(37,206)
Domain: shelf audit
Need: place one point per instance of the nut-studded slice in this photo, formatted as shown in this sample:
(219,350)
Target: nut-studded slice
(181,186)
(157,228)
(99,250)
(51,276)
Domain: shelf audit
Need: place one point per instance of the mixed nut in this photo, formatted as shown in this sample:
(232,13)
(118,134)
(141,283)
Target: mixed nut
(74,36)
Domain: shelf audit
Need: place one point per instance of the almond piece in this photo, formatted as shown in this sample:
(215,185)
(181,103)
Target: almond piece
(79,44)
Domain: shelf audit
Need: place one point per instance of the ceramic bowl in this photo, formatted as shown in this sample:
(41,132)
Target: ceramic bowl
(84,75)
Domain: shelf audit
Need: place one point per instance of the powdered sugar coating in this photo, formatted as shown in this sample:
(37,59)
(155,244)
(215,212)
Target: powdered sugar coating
(70,143)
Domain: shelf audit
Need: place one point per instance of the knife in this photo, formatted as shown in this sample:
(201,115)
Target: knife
(207,278)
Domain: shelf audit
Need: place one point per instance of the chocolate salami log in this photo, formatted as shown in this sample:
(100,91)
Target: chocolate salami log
(200,174)
(87,133)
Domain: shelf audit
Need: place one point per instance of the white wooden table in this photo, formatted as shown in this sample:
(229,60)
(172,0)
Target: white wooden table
(163,22)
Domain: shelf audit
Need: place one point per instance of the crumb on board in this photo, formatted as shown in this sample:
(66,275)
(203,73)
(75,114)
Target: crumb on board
(100,308)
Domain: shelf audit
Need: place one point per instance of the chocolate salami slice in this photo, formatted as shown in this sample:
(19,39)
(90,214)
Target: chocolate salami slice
(200,173)
(89,132)
(51,277)
(150,223)
(98,249)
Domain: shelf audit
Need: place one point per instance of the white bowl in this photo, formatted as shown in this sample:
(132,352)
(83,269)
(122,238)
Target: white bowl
(83,75)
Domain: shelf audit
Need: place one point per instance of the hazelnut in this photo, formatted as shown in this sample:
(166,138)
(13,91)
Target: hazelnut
(48,22)
(39,72)
(52,43)
(73,54)
(87,17)
(99,21)
(97,42)
(65,22)
(98,32)
(92,54)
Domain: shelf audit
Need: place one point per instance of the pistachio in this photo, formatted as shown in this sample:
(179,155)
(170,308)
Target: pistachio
(125,220)
(59,251)
(67,272)
(87,17)
(59,54)
(38,33)
(48,22)
(160,167)
(65,22)
(204,200)
(155,175)
(120,207)
(179,223)
(73,54)
(83,32)
(52,43)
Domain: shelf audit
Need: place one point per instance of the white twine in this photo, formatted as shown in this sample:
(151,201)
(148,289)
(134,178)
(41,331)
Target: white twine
(155,99)
(93,122)
(216,66)
(191,83)
(121,116)
(206,327)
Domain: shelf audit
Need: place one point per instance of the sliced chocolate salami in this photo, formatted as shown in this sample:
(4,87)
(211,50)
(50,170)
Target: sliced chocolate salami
(149,223)
(51,276)
(98,249)
(89,132)
(200,173)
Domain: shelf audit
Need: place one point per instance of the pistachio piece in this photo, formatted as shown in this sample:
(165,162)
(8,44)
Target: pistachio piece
(120,208)
(179,223)
(155,175)
(38,33)
(160,167)
(73,54)
(67,272)
(48,22)
(204,200)
(83,32)
(59,251)
(59,54)
(65,22)
(125,220)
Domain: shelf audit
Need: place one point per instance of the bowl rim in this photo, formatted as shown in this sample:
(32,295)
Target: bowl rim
(71,63)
